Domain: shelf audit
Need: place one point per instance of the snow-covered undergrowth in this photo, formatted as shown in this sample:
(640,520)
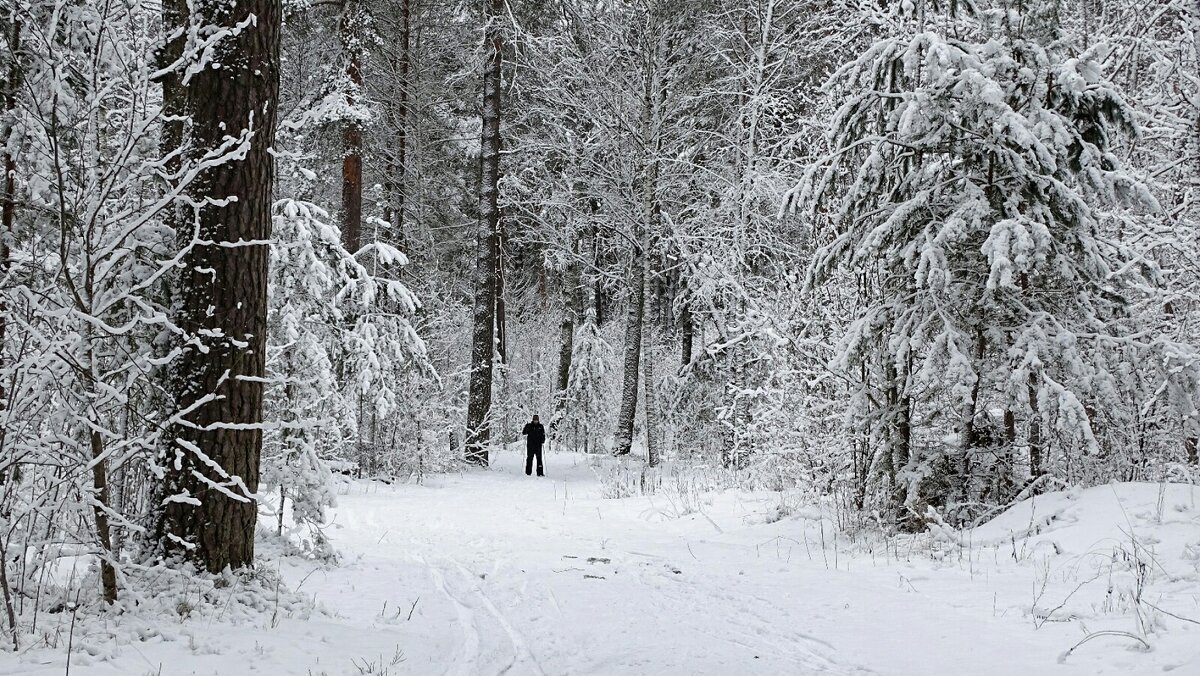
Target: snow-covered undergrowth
(169,608)
(1120,561)
(490,572)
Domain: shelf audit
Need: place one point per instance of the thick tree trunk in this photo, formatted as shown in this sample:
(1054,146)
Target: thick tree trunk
(479,405)
(214,459)
(352,163)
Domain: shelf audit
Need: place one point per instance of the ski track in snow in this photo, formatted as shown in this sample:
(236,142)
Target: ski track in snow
(558,584)
(466,662)
(521,653)
(472,657)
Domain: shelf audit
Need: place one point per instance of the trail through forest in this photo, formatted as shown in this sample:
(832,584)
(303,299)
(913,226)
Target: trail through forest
(526,576)
(493,572)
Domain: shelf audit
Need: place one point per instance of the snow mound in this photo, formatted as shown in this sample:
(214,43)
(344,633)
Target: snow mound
(1119,562)
(1157,522)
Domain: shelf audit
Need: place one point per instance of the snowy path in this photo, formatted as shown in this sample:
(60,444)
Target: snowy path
(528,576)
(492,572)
(516,575)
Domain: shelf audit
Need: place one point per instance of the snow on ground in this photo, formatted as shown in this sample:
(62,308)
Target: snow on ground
(492,572)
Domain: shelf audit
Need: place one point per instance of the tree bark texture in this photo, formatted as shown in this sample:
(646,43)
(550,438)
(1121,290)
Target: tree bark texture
(653,448)
(633,351)
(687,332)
(479,405)
(566,345)
(174,18)
(643,232)
(214,457)
(108,574)
(566,341)
(12,84)
(738,451)
(651,265)
(1035,429)
(597,290)
(8,201)
(397,175)
(352,161)
(899,432)
(501,312)
(572,302)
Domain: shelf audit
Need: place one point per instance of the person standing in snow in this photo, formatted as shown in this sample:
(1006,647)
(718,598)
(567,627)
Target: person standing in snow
(535,436)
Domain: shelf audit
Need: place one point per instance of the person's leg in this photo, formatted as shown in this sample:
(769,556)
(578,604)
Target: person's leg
(528,461)
(539,461)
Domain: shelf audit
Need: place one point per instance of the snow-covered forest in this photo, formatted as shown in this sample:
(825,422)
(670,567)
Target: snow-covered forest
(865,335)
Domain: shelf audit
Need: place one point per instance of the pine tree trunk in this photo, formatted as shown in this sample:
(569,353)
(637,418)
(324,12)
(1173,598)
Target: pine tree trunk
(174,18)
(970,408)
(108,574)
(1195,23)
(396,182)
(1190,448)
(501,313)
(572,309)
(970,435)
(633,351)
(742,414)
(1035,429)
(224,298)
(566,344)
(1010,451)
(12,85)
(653,449)
(732,452)
(483,347)
(597,291)
(652,266)
(352,164)
(91,377)
(8,605)
(686,334)
(899,436)
(8,200)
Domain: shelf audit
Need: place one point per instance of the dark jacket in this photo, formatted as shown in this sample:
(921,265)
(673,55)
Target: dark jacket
(535,433)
